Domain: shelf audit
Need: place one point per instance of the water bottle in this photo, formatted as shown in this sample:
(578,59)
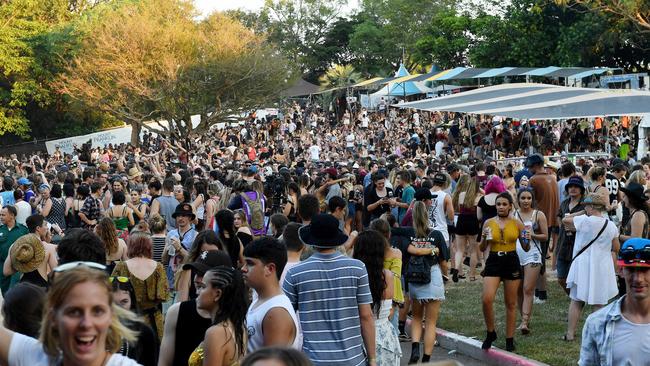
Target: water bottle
(171,250)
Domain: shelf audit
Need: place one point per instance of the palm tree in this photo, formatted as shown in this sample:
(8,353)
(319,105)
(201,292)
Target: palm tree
(339,77)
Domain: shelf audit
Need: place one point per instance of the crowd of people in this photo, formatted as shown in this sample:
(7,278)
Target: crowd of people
(308,240)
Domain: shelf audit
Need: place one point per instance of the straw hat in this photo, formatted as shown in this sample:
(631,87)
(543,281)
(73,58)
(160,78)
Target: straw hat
(27,253)
(134,173)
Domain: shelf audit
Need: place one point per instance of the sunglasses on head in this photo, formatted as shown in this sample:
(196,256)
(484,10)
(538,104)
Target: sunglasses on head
(120,279)
(630,254)
(72,265)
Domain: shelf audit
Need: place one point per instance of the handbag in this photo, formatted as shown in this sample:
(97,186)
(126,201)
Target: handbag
(418,270)
(591,242)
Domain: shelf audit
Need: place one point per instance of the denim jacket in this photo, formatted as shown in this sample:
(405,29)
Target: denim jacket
(597,335)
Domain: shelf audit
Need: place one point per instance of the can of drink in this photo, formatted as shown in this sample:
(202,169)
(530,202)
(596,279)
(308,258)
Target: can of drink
(488,233)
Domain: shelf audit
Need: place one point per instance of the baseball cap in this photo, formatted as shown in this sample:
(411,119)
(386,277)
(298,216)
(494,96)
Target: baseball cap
(209,259)
(24,182)
(423,194)
(439,178)
(635,252)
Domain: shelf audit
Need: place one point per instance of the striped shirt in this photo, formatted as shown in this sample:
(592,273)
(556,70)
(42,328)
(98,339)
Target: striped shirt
(327,290)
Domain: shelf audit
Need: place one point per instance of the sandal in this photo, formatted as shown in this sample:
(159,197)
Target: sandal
(567,339)
(472,278)
(524,329)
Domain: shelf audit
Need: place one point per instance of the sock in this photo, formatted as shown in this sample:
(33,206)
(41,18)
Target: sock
(426,358)
(543,295)
(400,326)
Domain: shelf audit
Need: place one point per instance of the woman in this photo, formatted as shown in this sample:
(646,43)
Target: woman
(148,279)
(509,180)
(426,297)
(277,222)
(225,221)
(531,260)
(33,258)
(115,247)
(158,227)
(486,207)
(500,235)
(293,194)
(199,203)
(212,204)
(72,214)
(637,222)
(591,277)
(380,281)
(465,199)
(121,214)
(136,205)
(56,214)
(597,176)
(145,348)
(79,301)
(379,198)
(572,205)
(222,293)
(205,241)
(244,232)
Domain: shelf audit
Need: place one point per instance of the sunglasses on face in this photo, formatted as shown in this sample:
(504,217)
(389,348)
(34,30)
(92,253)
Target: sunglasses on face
(120,279)
(629,254)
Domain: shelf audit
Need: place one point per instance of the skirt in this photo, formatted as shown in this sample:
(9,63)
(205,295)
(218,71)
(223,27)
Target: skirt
(434,290)
(467,224)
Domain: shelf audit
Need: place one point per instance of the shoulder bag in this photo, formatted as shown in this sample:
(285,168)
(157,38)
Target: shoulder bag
(591,242)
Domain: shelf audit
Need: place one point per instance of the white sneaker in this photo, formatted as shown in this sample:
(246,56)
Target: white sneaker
(539,301)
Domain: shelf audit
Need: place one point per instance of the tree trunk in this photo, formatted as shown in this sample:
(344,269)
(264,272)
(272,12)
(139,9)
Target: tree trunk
(135,134)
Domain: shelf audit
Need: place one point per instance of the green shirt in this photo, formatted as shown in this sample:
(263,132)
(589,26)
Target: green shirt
(8,237)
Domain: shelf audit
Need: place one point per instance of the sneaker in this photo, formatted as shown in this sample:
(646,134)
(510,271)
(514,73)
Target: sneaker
(539,301)
(403,337)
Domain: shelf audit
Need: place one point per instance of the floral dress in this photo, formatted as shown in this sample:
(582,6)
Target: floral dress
(150,294)
(389,351)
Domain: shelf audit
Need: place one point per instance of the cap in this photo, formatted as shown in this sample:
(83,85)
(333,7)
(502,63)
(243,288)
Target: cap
(439,178)
(208,260)
(423,194)
(24,182)
(634,252)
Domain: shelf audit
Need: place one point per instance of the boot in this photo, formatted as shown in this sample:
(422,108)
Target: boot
(510,344)
(491,337)
(454,274)
(415,353)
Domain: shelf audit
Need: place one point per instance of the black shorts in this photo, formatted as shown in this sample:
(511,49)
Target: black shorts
(505,266)
(467,224)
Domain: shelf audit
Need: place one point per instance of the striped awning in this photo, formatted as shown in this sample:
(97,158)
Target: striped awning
(405,78)
(368,82)
(540,101)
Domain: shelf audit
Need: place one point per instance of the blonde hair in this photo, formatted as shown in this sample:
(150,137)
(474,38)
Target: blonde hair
(57,294)
(242,217)
(421,219)
(107,232)
(637,176)
(157,224)
(469,185)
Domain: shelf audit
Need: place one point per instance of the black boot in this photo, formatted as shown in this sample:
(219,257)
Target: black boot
(491,337)
(454,274)
(510,344)
(415,353)
(426,358)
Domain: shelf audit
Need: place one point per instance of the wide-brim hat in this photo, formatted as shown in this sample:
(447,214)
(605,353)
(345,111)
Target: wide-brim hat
(134,173)
(184,209)
(575,182)
(635,191)
(27,253)
(323,232)
(595,200)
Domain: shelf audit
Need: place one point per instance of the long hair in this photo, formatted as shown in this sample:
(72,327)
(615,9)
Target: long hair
(233,303)
(495,185)
(140,245)
(107,232)
(57,294)
(242,218)
(469,185)
(204,237)
(226,223)
(421,219)
(369,247)
(529,190)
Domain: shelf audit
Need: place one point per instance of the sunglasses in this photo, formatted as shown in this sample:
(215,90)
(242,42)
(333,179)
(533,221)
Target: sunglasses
(72,265)
(120,279)
(629,255)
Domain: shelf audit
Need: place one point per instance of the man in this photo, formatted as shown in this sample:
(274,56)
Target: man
(91,211)
(308,207)
(166,203)
(294,247)
(185,324)
(613,185)
(372,168)
(619,333)
(330,292)
(81,245)
(408,192)
(546,200)
(10,231)
(334,187)
(183,236)
(454,172)
(271,319)
(441,212)
(37,225)
(25,185)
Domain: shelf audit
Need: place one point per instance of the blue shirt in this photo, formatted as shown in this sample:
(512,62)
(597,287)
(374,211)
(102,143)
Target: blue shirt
(326,290)
(407,196)
(7,198)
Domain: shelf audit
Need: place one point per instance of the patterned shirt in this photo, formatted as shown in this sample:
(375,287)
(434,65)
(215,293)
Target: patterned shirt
(92,208)
(327,290)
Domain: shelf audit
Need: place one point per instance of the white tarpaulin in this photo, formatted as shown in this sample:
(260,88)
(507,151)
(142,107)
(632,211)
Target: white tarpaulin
(540,101)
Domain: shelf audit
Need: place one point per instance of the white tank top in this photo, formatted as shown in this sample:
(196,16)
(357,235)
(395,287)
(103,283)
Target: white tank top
(255,318)
(437,214)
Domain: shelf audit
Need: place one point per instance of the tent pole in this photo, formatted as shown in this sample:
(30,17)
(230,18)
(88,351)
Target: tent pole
(471,136)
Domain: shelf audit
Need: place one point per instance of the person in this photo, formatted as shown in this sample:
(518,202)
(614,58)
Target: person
(32,259)
(91,211)
(619,334)
(81,245)
(243,230)
(294,247)
(147,278)
(347,324)
(547,201)
(158,227)
(51,205)
(531,260)
(225,220)
(500,235)
(271,319)
(442,208)
(205,241)
(137,206)
(179,240)
(408,194)
(185,323)
(378,198)
(116,249)
(277,222)
(145,348)
(22,309)
(426,297)
(10,231)
(638,223)
(83,326)
(279,356)
(165,204)
(591,279)
(465,200)
(571,206)
(222,293)
(23,209)
(121,214)
(381,285)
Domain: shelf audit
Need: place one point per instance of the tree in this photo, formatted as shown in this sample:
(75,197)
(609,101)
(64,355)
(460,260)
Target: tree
(339,77)
(636,11)
(151,61)
(446,43)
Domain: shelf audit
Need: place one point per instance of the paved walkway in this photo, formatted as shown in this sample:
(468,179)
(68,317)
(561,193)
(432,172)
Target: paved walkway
(439,354)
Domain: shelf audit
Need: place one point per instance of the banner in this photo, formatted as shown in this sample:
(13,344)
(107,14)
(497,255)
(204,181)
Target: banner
(98,139)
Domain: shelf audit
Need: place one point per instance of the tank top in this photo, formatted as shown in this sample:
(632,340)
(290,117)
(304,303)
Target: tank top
(437,214)
(200,211)
(503,240)
(533,255)
(255,318)
(167,206)
(57,212)
(190,331)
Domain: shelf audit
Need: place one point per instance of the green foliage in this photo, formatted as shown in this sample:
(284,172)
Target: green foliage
(445,43)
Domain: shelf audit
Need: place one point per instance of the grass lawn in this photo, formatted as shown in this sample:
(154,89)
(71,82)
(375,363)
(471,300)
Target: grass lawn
(461,313)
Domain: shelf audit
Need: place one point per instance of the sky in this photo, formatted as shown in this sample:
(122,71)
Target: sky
(208,6)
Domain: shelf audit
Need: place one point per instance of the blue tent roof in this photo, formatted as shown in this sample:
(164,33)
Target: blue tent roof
(406,87)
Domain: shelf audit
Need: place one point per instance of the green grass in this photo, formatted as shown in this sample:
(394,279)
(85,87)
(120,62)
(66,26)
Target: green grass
(461,313)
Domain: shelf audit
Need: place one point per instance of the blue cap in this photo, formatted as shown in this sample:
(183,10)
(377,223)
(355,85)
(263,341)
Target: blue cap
(634,250)
(24,182)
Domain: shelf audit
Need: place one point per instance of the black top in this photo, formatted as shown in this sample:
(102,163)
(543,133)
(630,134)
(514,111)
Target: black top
(372,197)
(145,348)
(487,211)
(244,238)
(34,278)
(190,331)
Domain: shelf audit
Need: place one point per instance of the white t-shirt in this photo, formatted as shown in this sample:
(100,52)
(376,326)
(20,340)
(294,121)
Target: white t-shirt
(631,343)
(349,140)
(26,351)
(314,151)
(24,210)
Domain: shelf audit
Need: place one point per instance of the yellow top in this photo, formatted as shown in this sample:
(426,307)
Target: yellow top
(196,358)
(395,266)
(503,240)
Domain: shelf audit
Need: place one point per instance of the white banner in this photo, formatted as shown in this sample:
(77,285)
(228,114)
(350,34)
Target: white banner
(98,139)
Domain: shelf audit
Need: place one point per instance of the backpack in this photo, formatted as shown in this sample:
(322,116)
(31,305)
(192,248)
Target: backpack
(254,210)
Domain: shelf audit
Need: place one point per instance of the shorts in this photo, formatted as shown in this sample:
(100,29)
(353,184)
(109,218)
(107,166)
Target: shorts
(504,266)
(562,268)
(467,224)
